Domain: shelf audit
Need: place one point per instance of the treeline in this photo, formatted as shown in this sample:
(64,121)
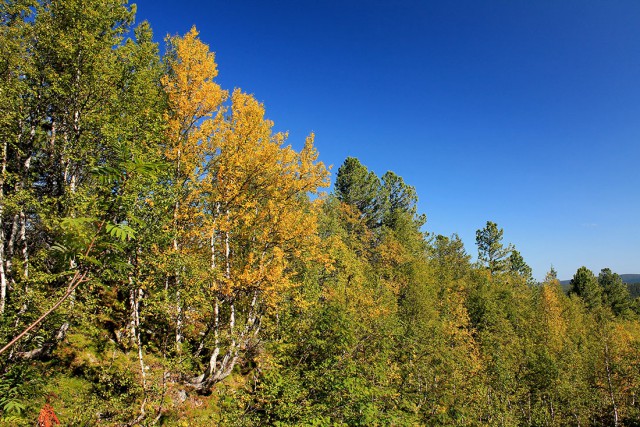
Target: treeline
(166,259)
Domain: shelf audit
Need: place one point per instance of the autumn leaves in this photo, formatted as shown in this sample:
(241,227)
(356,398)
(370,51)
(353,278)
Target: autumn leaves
(236,186)
(241,199)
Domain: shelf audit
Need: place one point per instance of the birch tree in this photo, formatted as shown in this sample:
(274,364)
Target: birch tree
(258,219)
(193,100)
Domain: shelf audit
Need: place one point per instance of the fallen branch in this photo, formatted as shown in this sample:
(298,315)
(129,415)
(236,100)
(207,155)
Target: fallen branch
(76,280)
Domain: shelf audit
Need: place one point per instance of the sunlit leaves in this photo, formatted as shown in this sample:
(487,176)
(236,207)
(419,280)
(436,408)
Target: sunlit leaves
(121,231)
(257,193)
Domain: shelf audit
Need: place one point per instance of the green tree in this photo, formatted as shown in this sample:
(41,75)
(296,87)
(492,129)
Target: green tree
(357,186)
(551,276)
(615,292)
(490,248)
(586,286)
(79,160)
(67,125)
(518,266)
(399,199)
(450,257)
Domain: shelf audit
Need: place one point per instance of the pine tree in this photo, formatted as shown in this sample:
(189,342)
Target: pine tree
(356,185)
(615,292)
(586,286)
(490,248)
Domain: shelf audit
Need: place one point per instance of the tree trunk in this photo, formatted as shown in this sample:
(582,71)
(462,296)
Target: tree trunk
(3,274)
(176,247)
(25,246)
(609,382)
(135,312)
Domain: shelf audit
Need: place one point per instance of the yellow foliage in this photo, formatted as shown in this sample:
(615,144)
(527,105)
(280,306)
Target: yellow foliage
(193,99)
(556,327)
(242,214)
(256,197)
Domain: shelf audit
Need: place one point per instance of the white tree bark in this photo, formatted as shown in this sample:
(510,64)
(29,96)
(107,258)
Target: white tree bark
(3,275)
(610,383)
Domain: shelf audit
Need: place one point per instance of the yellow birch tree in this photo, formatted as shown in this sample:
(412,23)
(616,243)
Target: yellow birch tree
(193,101)
(258,220)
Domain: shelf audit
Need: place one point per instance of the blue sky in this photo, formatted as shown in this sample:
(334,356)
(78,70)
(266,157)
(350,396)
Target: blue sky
(523,113)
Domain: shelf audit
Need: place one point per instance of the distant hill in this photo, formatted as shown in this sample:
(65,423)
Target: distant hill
(632,280)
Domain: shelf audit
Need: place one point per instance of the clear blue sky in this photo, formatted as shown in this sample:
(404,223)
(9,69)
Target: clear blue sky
(523,113)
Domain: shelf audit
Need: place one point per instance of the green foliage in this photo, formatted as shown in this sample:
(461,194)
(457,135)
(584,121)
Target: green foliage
(400,200)
(585,285)
(615,293)
(356,185)
(19,385)
(490,248)
(121,231)
(518,266)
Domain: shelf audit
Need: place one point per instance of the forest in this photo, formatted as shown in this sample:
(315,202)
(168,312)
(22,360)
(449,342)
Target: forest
(166,258)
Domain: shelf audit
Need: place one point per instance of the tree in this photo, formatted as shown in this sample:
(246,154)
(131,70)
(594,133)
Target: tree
(16,61)
(586,286)
(79,149)
(450,257)
(615,292)
(258,221)
(518,266)
(551,276)
(490,248)
(356,185)
(193,99)
(70,120)
(398,199)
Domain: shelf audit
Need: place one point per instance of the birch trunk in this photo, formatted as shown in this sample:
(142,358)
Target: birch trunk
(610,384)
(176,209)
(138,295)
(25,246)
(3,274)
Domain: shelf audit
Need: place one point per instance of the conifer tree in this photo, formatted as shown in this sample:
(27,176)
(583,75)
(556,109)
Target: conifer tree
(518,266)
(490,248)
(356,185)
(586,286)
(615,293)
